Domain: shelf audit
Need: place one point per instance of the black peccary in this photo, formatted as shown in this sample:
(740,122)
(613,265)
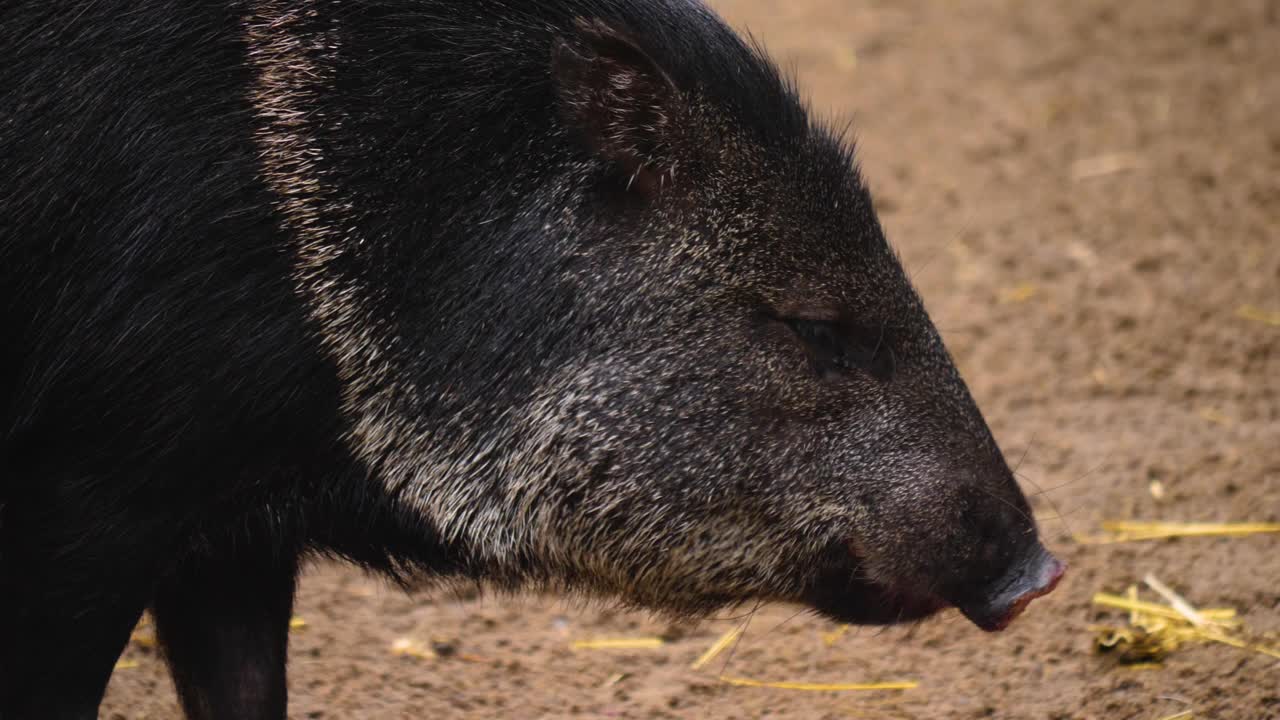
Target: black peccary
(566,294)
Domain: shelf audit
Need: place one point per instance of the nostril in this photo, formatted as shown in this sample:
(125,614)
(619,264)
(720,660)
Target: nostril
(1003,600)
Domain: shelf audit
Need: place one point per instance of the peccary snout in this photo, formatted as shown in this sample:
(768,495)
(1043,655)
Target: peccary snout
(993,606)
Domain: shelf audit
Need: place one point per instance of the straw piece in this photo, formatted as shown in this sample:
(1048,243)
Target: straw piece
(1215,417)
(1184,715)
(126,664)
(1257,314)
(1131,593)
(412,648)
(1220,616)
(716,648)
(641,643)
(1017,294)
(1133,531)
(1138,645)
(819,687)
(1175,600)
(846,58)
(143,636)
(1216,636)
(297,623)
(1155,630)
(1102,539)
(830,638)
(1178,528)
(1106,164)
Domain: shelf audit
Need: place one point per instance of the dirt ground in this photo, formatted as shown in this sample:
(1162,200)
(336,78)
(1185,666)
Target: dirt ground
(1087,194)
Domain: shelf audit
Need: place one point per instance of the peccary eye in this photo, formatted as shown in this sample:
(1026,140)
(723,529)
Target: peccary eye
(839,349)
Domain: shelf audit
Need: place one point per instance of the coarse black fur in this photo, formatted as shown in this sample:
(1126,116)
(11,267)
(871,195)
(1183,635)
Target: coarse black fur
(568,294)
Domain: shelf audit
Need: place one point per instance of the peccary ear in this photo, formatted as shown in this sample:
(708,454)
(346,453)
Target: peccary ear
(619,101)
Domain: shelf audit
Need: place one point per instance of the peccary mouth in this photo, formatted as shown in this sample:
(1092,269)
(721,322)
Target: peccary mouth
(842,592)
(1035,574)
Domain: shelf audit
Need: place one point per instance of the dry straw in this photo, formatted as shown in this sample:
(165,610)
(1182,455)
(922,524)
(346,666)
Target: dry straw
(1155,630)
(819,687)
(1119,531)
(631,643)
(716,648)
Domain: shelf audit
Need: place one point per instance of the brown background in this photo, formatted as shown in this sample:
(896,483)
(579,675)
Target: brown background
(1086,193)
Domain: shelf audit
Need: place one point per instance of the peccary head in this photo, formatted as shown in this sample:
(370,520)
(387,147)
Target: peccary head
(628,325)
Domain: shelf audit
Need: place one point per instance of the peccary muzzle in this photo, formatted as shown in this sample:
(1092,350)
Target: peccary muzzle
(994,605)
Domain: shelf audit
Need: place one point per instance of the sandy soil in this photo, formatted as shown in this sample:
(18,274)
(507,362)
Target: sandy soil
(1086,194)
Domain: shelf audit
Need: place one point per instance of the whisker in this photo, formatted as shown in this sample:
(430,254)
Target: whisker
(733,618)
(1057,514)
(1086,474)
(1039,492)
(791,617)
(1025,451)
(741,633)
(1015,508)
(912,274)
(1076,509)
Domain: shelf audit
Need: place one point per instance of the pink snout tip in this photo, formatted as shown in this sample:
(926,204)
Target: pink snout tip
(1022,584)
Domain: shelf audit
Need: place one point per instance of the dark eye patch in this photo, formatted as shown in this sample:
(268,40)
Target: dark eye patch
(839,349)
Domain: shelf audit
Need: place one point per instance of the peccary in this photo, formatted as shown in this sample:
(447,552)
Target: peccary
(570,295)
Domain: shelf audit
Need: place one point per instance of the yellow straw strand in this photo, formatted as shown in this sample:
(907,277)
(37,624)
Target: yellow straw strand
(1217,615)
(819,687)
(832,637)
(1132,531)
(716,648)
(1257,314)
(1176,601)
(1132,595)
(1215,636)
(640,643)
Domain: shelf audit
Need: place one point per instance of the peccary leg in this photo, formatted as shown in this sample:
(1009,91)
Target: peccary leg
(224,624)
(67,606)
(55,662)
